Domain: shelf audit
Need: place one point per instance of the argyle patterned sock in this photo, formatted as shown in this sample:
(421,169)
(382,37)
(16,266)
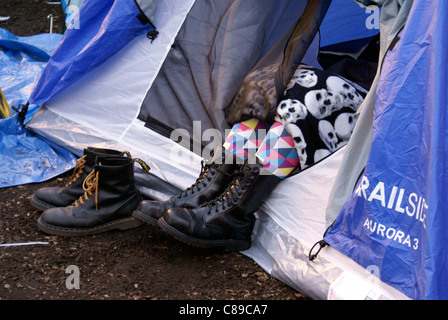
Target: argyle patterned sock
(245,138)
(277,152)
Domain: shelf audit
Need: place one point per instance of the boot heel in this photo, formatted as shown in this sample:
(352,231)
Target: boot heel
(225,244)
(146,218)
(128,223)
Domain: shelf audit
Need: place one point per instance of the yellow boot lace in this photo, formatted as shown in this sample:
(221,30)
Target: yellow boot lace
(90,185)
(78,170)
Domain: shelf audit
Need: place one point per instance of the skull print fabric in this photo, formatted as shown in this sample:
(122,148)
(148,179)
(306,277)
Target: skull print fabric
(318,110)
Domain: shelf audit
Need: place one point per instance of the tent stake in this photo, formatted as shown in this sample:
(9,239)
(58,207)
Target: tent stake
(50,16)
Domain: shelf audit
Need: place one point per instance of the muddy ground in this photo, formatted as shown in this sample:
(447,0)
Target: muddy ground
(138,264)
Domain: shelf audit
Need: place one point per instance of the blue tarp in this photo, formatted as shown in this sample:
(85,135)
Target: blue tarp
(25,158)
(98,31)
(396,218)
(22,60)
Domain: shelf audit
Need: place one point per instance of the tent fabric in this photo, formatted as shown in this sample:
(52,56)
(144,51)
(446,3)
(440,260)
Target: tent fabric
(395,217)
(218,44)
(393,17)
(263,88)
(148,9)
(107,26)
(290,223)
(108,98)
(101,108)
(336,28)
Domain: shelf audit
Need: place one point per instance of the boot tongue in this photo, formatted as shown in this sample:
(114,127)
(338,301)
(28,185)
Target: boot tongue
(90,157)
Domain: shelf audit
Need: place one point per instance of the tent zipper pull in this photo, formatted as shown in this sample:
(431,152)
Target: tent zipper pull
(152,35)
(322,244)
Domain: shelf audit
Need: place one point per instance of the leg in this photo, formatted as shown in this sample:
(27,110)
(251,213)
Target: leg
(277,152)
(314,118)
(228,220)
(245,138)
(242,142)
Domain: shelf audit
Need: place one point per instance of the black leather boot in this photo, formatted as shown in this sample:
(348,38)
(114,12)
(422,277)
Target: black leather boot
(226,222)
(50,197)
(212,181)
(109,199)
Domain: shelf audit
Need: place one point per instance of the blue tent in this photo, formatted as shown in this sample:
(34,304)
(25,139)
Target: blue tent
(107,26)
(395,218)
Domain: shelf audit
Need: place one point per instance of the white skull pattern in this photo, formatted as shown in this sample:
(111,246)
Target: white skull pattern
(304,77)
(290,111)
(328,135)
(344,125)
(299,141)
(321,103)
(344,92)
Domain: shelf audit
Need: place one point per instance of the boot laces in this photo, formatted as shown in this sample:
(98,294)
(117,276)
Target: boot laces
(78,170)
(90,186)
(203,178)
(235,190)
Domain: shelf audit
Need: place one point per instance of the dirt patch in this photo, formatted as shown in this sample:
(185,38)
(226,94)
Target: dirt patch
(142,263)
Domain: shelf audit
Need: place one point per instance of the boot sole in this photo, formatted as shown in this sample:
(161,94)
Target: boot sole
(121,224)
(40,205)
(229,245)
(145,218)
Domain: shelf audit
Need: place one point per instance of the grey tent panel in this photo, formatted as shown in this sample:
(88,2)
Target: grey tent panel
(204,70)
(148,7)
